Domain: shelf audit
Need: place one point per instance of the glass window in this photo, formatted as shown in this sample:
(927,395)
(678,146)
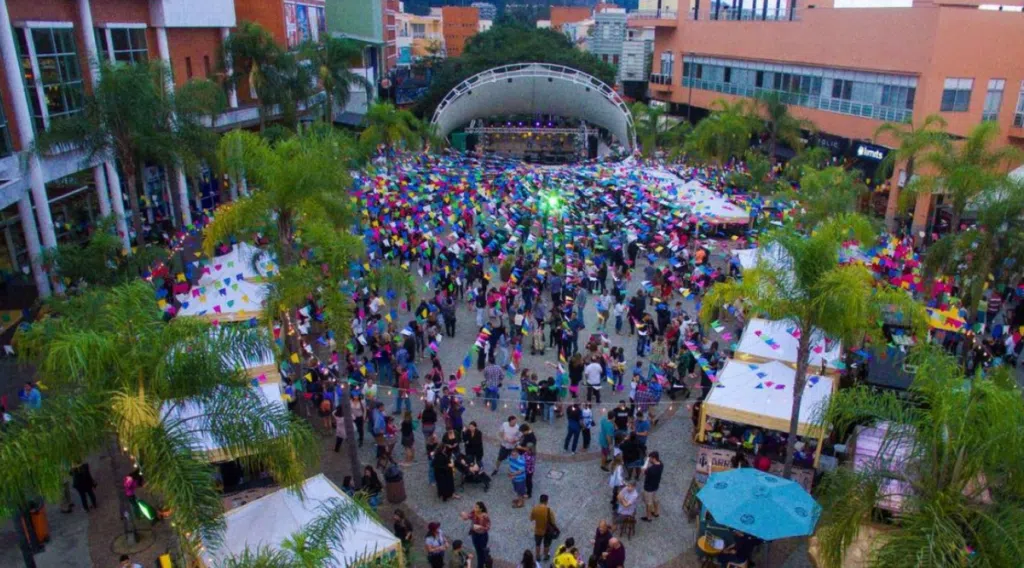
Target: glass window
(727,75)
(842,89)
(58,90)
(127,44)
(1018,112)
(956,96)
(993,100)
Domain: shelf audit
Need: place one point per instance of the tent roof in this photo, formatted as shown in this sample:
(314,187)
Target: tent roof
(243,262)
(765,340)
(761,394)
(271,519)
(202,440)
(234,300)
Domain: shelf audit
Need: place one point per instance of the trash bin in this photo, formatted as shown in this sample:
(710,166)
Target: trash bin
(40,524)
(394,484)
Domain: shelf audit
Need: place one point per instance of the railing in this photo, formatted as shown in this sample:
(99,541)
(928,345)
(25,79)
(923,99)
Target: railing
(661,79)
(740,14)
(652,15)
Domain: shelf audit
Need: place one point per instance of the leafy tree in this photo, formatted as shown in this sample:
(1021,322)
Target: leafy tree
(723,135)
(313,545)
(656,131)
(113,367)
(911,142)
(129,116)
(506,43)
(301,205)
(757,178)
(964,169)
(390,127)
(823,193)
(815,293)
(332,59)
(101,260)
(779,124)
(235,150)
(988,253)
(960,481)
(197,143)
(814,157)
(277,77)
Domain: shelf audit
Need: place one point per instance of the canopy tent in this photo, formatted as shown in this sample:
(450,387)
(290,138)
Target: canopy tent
(690,199)
(236,300)
(764,340)
(761,394)
(874,449)
(946,320)
(269,520)
(773,255)
(194,410)
(244,262)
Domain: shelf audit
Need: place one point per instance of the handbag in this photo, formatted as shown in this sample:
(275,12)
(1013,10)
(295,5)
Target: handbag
(552,532)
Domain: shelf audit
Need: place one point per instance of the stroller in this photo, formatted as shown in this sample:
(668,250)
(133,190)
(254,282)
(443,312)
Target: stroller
(471,472)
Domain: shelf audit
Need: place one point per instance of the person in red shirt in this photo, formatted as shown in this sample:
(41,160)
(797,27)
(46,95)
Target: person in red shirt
(762,462)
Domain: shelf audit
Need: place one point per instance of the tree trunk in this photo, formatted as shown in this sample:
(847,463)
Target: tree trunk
(130,172)
(803,354)
(954,223)
(329,114)
(893,204)
(355,466)
(771,145)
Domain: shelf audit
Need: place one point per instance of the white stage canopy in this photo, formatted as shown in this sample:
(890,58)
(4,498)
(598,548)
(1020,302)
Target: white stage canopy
(234,300)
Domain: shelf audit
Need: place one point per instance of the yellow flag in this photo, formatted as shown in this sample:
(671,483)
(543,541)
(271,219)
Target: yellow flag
(295,358)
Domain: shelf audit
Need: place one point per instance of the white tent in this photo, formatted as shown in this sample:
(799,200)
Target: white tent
(234,301)
(271,519)
(765,340)
(761,394)
(706,204)
(244,262)
(269,392)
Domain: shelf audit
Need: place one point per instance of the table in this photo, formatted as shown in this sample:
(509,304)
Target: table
(707,551)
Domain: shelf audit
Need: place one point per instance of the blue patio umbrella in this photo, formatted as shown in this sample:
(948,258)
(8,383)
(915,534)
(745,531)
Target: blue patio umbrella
(759,504)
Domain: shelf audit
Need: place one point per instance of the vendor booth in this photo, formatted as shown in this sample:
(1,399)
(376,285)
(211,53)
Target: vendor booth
(269,520)
(764,340)
(761,395)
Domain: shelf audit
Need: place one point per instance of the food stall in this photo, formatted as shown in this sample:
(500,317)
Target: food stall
(765,340)
(269,520)
(761,395)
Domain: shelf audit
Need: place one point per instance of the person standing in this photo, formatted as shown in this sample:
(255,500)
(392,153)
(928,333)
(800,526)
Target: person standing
(492,385)
(517,473)
(444,474)
(574,425)
(509,436)
(358,415)
(615,556)
(474,440)
(460,558)
(448,312)
(30,396)
(544,528)
(594,374)
(479,529)
(339,429)
(606,438)
(436,545)
(652,481)
(403,530)
(82,481)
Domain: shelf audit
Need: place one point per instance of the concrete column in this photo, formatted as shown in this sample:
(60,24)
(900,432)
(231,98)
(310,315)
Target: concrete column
(165,55)
(28,225)
(117,204)
(89,38)
(922,213)
(232,93)
(100,179)
(26,135)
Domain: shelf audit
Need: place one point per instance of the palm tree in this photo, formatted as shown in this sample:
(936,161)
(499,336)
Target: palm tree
(827,192)
(235,150)
(723,135)
(390,127)
(114,369)
(300,203)
(779,124)
(332,59)
(960,479)
(655,130)
(910,141)
(197,143)
(964,169)
(757,178)
(130,117)
(983,255)
(814,157)
(313,545)
(817,295)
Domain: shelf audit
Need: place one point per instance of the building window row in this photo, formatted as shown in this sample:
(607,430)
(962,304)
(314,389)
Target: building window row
(750,10)
(870,95)
(122,44)
(53,77)
(1018,111)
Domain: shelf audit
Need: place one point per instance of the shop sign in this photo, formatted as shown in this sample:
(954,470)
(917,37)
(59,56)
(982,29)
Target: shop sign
(835,144)
(870,152)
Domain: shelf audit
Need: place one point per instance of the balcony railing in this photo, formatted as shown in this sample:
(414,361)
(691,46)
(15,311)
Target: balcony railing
(652,15)
(661,79)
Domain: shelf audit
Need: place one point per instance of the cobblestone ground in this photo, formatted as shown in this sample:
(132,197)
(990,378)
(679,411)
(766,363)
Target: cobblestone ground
(577,487)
